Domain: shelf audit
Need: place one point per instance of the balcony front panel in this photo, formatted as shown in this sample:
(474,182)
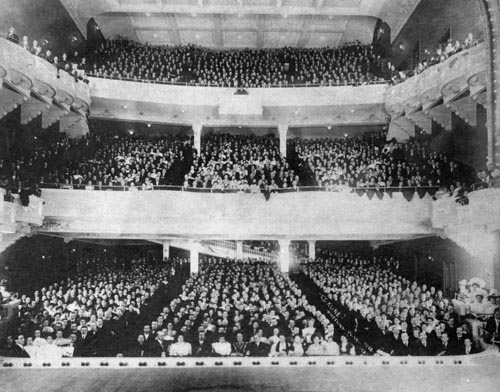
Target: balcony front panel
(174,214)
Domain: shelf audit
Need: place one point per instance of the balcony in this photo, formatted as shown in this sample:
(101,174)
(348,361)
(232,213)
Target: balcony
(456,85)
(35,85)
(163,215)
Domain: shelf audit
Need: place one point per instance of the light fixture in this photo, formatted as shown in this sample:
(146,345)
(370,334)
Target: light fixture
(296,111)
(124,106)
(329,127)
(149,125)
(131,132)
(345,134)
(148,14)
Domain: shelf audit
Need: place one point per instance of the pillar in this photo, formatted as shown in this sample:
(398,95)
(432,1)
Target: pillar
(283,130)
(194,254)
(197,128)
(166,250)
(311,245)
(284,258)
(239,250)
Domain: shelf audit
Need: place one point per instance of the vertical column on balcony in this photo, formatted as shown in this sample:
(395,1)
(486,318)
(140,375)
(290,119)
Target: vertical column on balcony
(197,128)
(166,250)
(194,256)
(311,247)
(284,259)
(283,130)
(239,250)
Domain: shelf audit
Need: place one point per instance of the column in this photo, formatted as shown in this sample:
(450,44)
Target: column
(239,250)
(283,130)
(166,250)
(194,253)
(311,245)
(284,258)
(197,128)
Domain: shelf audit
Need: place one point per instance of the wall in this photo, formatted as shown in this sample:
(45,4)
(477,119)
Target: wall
(429,22)
(41,19)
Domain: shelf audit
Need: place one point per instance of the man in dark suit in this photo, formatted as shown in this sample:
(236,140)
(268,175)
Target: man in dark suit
(139,348)
(257,348)
(423,348)
(84,345)
(12,36)
(445,348)
(493,327)
(201,346)
(18,348)
(403,348)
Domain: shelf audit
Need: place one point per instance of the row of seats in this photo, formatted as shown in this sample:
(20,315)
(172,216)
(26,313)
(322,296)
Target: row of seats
(391,313)
(125,59)
(236,162)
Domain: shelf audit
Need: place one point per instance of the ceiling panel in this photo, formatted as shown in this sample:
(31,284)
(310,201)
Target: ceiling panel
(278,22)
(296,3)
(239,39)
(229,22)
(156,21)
(276,39)
(221,2)
(187,21)
(328,23)
(159,37)
(198,37)
(323,39)
(181,2)
(343,3)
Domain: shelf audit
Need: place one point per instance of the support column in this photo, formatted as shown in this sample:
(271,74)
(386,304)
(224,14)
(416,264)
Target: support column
(311,245)
(283,130)
(284,258)
(197,128)
(166,250)
(239,250)
(194,255)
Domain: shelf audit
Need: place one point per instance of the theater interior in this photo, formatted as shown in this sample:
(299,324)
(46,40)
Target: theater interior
(252,195)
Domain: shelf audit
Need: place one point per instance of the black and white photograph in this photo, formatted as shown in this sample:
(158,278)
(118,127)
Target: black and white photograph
(249,195)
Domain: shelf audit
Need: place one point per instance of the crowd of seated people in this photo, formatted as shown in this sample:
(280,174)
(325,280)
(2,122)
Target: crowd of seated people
(241,162)
(103,160)
(122,58)
(443,52)
(239,308)
(74,64)
(391,313)
(372,162)
(89,314)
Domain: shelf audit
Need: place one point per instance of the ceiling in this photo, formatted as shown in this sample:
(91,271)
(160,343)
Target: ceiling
(242,23)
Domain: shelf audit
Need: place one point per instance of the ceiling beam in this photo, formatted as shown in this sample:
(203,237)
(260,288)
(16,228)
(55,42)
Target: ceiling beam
(305,33)
(218,30)
(261,23)
(172,21)
(152,8)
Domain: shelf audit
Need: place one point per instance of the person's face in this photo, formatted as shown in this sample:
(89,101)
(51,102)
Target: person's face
(239,338)
(180,339)
(147,329)
(140,339)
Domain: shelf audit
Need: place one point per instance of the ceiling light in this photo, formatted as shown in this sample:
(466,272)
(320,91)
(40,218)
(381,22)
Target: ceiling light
(296,111)
(124,106)
(239,36)
(149,125)
(131,132)
(329,127)
(345,134)
(148,14)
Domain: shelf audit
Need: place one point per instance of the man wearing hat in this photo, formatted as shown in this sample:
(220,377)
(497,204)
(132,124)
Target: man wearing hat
(493,327)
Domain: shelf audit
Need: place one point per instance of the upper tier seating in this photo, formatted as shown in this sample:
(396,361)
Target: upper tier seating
(124,59)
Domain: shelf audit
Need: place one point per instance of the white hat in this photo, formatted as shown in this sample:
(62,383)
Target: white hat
(481,283)
(462,282)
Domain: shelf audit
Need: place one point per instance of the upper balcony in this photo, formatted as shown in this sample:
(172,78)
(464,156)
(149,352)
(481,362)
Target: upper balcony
(456,85)
(219,106)
(41,89)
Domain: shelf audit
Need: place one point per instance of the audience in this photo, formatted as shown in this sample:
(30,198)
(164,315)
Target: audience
(124,59)
(371,161)
(241,308)
(391,313)
(91,314)
(241,162)
(73,64)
